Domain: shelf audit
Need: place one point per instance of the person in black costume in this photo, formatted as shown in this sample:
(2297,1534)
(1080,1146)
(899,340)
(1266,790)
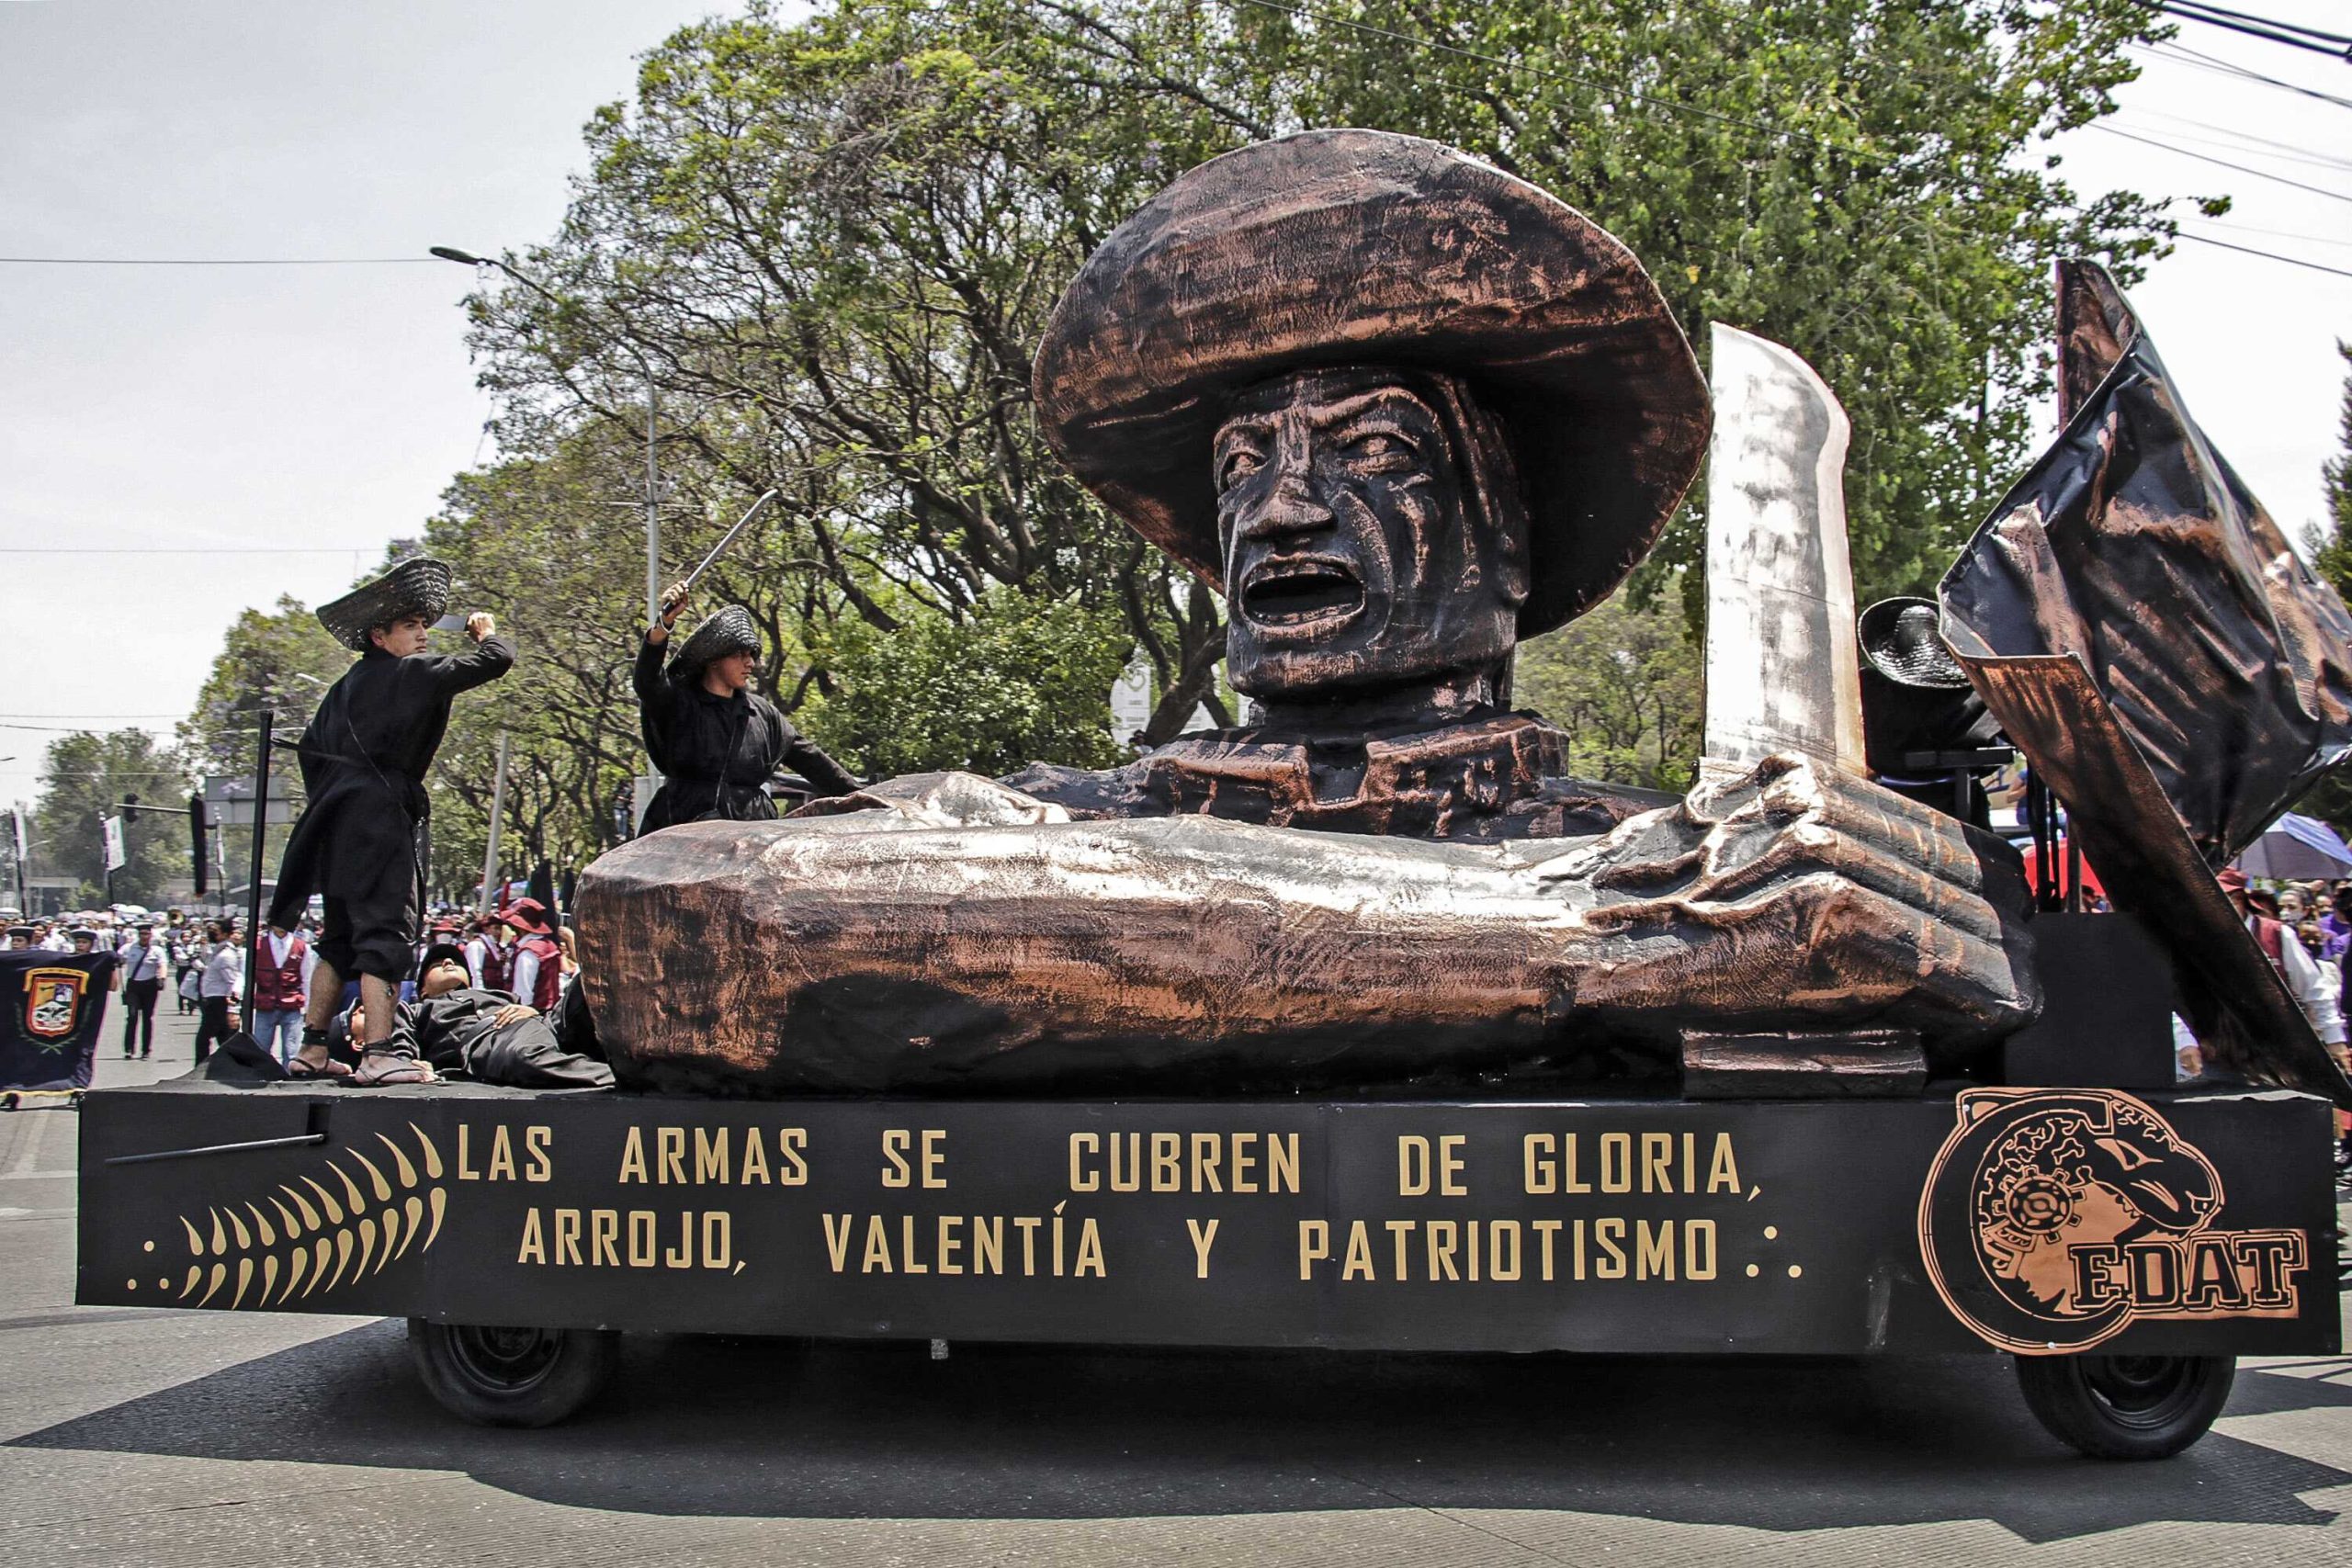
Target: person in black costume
(360,842)
(716,741)
(487,1035)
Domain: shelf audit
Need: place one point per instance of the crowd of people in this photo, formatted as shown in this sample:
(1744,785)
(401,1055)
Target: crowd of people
(518,955)
(2305,928)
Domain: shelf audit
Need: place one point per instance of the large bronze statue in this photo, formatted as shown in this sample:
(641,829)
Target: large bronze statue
(1405,410)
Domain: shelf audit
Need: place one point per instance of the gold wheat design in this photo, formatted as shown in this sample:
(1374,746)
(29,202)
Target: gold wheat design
(290,1241)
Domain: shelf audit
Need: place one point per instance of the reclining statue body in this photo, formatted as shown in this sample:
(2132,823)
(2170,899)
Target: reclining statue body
(1387,877)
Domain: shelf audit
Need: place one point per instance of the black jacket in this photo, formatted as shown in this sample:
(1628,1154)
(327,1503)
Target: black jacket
(455,1034)
(716,753)
(364,759)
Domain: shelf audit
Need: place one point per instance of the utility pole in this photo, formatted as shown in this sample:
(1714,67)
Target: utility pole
(253,876)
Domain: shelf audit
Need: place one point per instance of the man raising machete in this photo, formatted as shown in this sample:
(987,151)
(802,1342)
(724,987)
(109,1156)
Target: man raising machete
(360,842)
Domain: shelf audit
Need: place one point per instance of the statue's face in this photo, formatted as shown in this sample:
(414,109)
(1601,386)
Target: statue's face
(1353,559)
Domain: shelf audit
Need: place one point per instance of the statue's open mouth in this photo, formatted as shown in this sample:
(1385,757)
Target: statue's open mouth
(1293,594)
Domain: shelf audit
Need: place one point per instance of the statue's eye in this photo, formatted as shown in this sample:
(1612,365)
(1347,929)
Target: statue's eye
(1237,465)
(1379,446)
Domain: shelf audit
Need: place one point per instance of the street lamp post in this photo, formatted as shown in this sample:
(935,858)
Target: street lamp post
(652,778)
(653,410)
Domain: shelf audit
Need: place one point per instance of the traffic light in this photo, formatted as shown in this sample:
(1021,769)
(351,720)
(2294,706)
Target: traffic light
(195,838)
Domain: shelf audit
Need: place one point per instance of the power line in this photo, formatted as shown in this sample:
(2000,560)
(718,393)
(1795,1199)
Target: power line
(2282,234)
(2269,255)
(2181,55)
(2224,162)
(2223,130)
(213,261)
(2263,28)
(185,550)
(2277,150)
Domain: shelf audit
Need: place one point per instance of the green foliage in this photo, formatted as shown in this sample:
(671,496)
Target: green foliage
(1859,179)
(280,660)
(1623,680)
(1020,680)
(84,779)
(2331,552)
(832,243)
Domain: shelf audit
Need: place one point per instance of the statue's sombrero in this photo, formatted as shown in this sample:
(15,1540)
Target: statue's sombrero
(1362,248)
(418,586)
(729,629)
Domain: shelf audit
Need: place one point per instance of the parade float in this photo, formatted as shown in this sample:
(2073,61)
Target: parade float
(1367,1026)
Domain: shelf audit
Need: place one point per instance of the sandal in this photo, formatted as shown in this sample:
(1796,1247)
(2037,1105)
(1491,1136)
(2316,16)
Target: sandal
(401,1069)
(330,1068)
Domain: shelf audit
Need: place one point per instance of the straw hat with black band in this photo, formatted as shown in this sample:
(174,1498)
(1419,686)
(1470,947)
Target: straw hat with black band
(418,586)
(1363,248)
(729,629)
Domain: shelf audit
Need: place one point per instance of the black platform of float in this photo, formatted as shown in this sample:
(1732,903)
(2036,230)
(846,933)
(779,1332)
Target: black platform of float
(1597,1225)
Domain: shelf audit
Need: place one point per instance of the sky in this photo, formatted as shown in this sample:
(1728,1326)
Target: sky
(219,437)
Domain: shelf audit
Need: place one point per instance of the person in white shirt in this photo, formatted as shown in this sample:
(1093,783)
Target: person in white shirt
(2312,984)
(223,978)
(490,958)
(145,964)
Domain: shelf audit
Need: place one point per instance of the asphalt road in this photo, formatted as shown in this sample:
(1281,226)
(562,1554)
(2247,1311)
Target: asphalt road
(183,1438)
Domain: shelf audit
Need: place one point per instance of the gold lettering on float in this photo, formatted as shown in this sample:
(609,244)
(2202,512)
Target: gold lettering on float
(501,1167)
(1204,1237)
(1549,1164)
(719,1158)
(969,1245)
(712,1162)
(1244,1163)
(592,1238)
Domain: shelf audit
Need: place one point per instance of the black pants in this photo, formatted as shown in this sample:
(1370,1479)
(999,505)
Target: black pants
(213,1026)
(178,980)
(139,1013)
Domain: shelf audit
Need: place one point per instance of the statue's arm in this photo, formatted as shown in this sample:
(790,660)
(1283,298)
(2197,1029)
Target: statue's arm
(1781,899)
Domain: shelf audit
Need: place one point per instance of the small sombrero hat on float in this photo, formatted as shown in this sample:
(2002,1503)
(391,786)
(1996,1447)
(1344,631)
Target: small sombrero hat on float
(1900,639)
(729,629)
(1362,248)
(418,586)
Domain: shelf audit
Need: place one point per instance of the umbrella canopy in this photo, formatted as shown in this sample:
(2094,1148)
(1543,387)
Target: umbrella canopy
(2298,848)
(2058,867)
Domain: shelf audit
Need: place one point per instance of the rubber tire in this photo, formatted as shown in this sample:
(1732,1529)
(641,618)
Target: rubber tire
(512,1377)
(2126,1407)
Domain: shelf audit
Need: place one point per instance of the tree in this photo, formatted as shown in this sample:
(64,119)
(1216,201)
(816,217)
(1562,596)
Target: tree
(280,661)
(832,245)
(1623,681)
(1017,680)
(2331,550)
(84,778)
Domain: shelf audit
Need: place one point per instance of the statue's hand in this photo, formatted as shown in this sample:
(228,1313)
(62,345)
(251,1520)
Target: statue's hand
(1796,895)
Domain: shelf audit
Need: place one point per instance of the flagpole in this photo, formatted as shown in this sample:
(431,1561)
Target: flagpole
(253,878)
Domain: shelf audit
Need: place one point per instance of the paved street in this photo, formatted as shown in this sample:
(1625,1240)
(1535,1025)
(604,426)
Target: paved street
(184,1437)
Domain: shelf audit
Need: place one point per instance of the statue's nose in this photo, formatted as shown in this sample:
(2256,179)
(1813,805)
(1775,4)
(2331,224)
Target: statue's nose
(1290,507)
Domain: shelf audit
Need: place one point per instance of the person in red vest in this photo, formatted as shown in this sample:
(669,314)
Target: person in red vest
(281,962)
(490,957)
(2305,981)
(536,966)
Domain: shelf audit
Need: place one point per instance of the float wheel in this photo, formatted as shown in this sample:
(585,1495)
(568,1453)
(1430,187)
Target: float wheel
(2126,1406)
(512,1377)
